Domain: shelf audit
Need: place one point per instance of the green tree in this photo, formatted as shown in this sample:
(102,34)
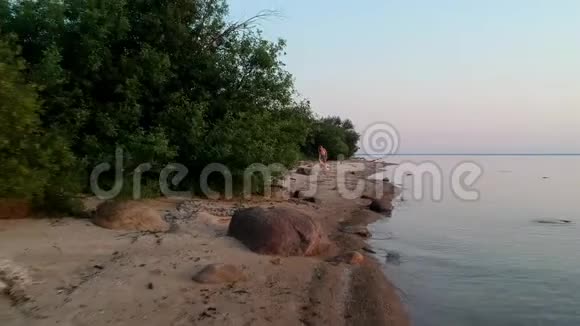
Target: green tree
(336,135)
(168,81)
(35,163)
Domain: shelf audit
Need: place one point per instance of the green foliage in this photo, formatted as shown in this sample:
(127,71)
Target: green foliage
(168,81)
(35,162)
(337,136)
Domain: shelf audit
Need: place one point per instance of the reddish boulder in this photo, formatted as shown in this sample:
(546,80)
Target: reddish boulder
(276,231)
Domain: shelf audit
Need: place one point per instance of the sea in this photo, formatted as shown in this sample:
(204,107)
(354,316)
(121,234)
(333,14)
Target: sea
(486,240)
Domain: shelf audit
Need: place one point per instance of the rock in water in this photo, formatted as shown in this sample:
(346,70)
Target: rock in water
(276,231)
(219,273)
(553,221)
(393,258)
(383,205)
(129,215)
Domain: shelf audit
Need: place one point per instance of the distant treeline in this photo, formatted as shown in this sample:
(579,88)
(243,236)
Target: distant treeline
(166,80)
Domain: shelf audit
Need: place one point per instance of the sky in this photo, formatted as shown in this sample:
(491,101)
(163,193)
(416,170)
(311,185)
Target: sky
(451,76)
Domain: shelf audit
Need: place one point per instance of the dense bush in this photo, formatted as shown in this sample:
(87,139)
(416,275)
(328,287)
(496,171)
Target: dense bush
(36,162)
(336,135)
(167,81)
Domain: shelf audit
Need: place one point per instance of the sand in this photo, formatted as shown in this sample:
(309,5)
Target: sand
(81,274)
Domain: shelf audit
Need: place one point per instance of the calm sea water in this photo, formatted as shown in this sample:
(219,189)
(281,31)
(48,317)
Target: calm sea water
(486,262)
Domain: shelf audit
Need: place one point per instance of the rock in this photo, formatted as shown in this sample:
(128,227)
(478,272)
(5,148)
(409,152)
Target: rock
(276,231)
(129,215)
(150,286)
(351,258)
(14,281)
(219,273)
(383,205)
(553,221)
(278,192)
(359,230)
(393,258)
(300,195)
(304,170)
(276,261)
(310,200)
(369,250)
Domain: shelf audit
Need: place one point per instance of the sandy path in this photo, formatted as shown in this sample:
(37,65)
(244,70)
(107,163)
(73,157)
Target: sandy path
(85,275)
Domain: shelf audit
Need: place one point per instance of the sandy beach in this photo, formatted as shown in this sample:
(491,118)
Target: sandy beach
(76,273)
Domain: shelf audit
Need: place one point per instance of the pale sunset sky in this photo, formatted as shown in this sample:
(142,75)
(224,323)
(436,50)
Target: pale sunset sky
(452,76)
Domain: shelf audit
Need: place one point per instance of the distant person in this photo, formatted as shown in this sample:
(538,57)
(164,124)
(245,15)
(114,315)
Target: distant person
(322,156)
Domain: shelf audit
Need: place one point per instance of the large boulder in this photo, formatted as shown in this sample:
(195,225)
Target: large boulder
(276,231)
(129,215)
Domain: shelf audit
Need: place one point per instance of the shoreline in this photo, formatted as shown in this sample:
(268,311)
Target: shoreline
(81,273)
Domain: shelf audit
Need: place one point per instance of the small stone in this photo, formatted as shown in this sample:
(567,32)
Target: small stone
(381,205)
(393,258)
(304,170)
(351,258)
(369,250)
(150,286)
(359,230)
(99,267)
(219,273)
(276,261)
(310,199)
